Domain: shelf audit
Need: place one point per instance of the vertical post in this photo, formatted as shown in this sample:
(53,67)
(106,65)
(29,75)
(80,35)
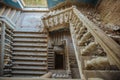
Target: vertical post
(2,51)
(67,55)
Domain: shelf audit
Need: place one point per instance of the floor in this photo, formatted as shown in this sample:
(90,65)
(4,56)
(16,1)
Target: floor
(30,21)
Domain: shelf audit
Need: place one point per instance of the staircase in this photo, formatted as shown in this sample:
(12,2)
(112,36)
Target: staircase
(72,56)
(29,53)
(97,54)
(51,58)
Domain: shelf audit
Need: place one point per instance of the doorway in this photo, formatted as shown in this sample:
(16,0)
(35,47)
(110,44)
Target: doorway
(59,61)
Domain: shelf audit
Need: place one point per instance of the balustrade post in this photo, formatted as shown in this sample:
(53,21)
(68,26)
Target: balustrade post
(2,49)
(67,57)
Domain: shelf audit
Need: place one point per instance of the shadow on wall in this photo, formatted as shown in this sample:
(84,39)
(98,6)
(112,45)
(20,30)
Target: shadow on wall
(93,2)
(13,3)
(52,3)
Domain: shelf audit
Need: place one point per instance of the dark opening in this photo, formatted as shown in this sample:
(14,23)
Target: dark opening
(59,61)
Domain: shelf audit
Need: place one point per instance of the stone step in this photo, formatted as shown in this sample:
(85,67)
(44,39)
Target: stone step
(30,49)
(28,68)
(29,32)
(50,62)
(29,54)
(28,44)
(50,65)
(51,55)
(28,72)
(29,63)
(30,36)
(28,59)
(29,40)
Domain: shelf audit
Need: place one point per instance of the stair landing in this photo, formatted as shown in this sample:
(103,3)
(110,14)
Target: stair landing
(30,21)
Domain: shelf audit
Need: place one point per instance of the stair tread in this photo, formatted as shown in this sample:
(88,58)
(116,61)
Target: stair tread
(51,52)
(29,58)
(34,48)
(29,36)
(29,67)
(30,63)
(28,49)
(29,40)
(51,65)
(50,62)
(35,32)
(29,72)
(29,44)
(30,54)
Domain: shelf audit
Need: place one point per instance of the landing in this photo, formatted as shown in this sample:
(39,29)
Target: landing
(30,21)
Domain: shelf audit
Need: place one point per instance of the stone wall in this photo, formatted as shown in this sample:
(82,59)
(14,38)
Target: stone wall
(110,11)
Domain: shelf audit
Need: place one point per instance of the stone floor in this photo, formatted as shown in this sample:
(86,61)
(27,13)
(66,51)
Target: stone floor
(30,21)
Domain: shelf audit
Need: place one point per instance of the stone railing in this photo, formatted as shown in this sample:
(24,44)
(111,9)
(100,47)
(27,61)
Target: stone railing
(94,50)
(6,33)
(57,19)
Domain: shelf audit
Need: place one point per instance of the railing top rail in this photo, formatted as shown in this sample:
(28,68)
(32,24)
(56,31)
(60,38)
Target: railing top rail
(55,14)
(108,44)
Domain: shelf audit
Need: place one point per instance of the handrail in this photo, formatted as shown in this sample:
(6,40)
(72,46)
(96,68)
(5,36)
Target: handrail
(75,17)
(6,32)
(46,19)
(109,45)
(7,21)
(58,13)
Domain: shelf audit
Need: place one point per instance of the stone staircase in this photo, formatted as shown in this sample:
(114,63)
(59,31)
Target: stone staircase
(51,60)
(97,54)
(29,53)
(72,56)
